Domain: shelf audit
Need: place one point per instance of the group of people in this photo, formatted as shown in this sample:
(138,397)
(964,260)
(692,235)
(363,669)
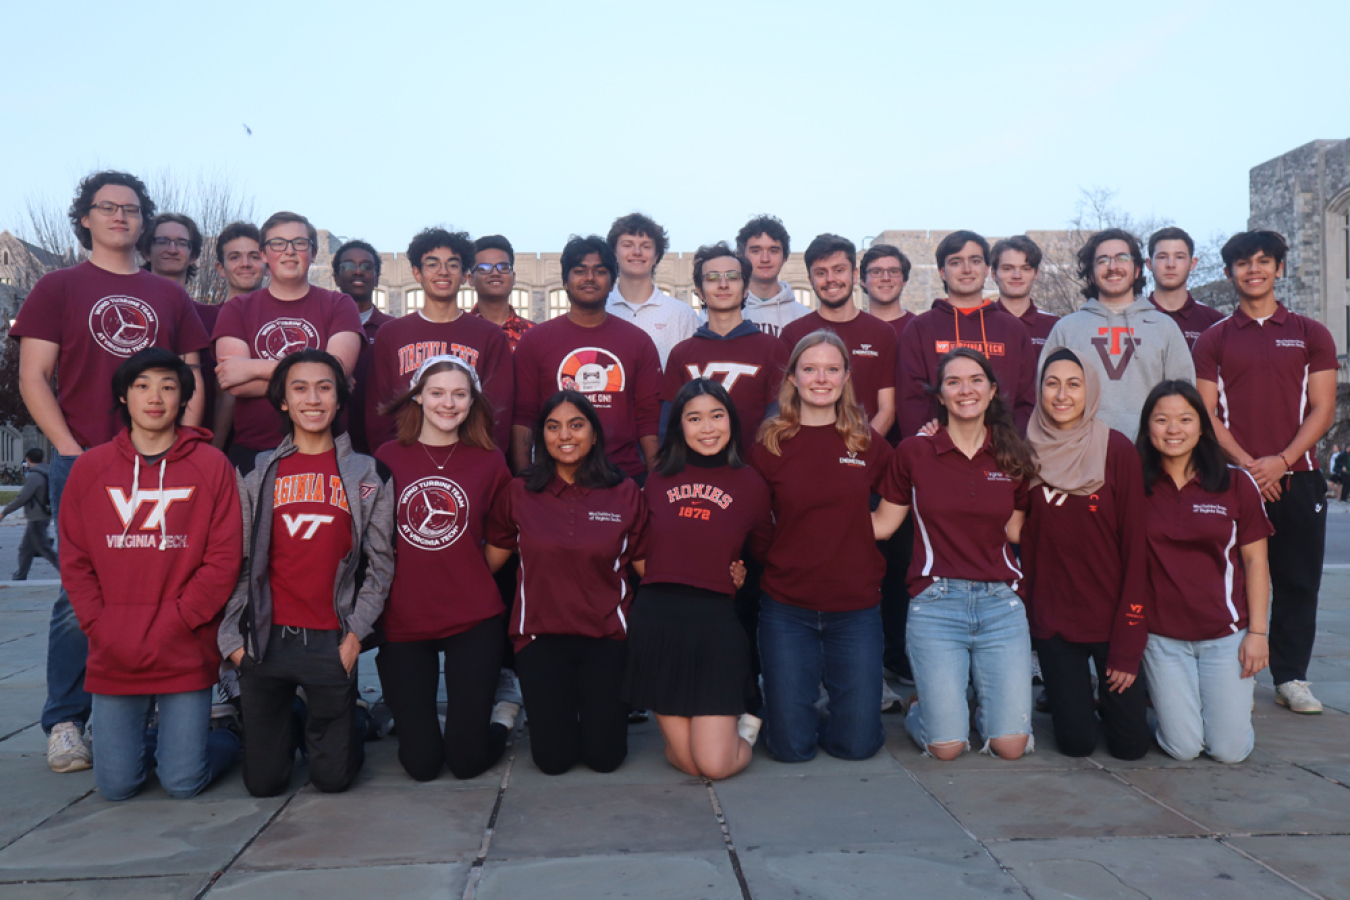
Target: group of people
(738,521)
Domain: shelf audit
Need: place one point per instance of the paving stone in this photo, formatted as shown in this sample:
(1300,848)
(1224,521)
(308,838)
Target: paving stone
(373,827)
(765,766)
(1044,757)
(1156,758)
(1320,863)
(1334,694)
(587,819)
(171,887)
(405,882)
(28,741)
(952,870)
(23,673)
(1156,869)
(827,812)
(651,876)
(382,770)
(20,706)
(1339,772)
(1303,739)
(1259,799)
(1050,805)
(646,764)
(34,793)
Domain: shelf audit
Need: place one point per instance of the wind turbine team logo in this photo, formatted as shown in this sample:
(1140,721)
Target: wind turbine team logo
(282,337)
(123,325)
(591,370)
(432,512)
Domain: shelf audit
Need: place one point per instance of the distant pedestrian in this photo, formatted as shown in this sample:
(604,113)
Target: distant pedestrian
(37,510)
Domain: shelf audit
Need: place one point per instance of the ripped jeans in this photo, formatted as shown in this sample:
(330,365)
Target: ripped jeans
(962,631)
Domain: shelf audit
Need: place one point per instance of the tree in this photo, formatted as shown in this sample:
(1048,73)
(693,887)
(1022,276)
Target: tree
(211,201)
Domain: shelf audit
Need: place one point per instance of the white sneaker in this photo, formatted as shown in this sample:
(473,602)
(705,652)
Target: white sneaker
(1298,696)
(508,689)
(748,728)
(66,749)
(890,700)
(504,713)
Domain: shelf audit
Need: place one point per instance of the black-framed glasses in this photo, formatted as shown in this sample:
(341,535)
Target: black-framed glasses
(280,245)
(488,268)
(348,267)
(130,210)
(180,243)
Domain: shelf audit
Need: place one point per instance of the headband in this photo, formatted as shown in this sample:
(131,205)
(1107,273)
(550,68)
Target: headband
(453,360)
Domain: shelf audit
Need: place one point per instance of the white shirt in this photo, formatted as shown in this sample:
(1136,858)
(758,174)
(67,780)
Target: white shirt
(666,320)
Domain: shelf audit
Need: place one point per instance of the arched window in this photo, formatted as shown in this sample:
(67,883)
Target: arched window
(412,300)
(467,299)
(380,299)
(558,304)
(806,297)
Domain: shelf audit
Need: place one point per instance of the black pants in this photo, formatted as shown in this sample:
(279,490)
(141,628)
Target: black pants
(506,588)
(35,542)
(572,688)
(898,551)
(1068,687)
(245,459)
(307,659)
(746,604)
(1296,550)
(408,671)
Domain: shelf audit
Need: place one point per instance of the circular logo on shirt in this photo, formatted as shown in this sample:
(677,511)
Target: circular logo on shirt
(123,325)
(591,370)
(282,337)
(432,512)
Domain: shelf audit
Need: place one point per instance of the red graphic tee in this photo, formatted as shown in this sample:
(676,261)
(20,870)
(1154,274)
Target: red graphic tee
(311,533)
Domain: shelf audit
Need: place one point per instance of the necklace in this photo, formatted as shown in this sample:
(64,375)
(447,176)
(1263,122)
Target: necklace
(440,466)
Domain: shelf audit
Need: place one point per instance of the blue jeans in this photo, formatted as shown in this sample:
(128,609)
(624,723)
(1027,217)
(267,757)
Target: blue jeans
(962,630)
(799,649)
(67,647)
(1202,701)
(189,755)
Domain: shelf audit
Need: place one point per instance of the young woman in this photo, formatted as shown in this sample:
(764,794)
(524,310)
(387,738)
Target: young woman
(447,475)
(819,620)
(315,513)
(1206,529)
(1083,551)
(150,550)
(578,523)
(967,486)
(688,656)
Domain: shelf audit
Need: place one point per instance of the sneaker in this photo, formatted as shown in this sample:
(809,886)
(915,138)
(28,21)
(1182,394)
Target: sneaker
(890,700)
(1298,696)
(748,728)
(66,749)
(508,689)
(504,713)
(1036,669)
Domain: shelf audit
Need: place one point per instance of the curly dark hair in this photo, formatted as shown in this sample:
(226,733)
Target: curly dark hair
(356,245)
(638,224)
(194,235)
(767,225)
(429,239)
(1247,244)
(1088,254)
(91,185)
(494,242)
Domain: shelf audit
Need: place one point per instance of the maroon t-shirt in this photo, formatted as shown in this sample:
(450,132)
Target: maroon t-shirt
(700,521)
(823,556)
(311,533)
(99,319)
(1262,372)
(208,313)
(273,329)
(441,520)
(1084,559)
(405,343)
(961,509)
(1194,318)
(1194,556)
(614,364)
(1037,321)
(871,352)
(898,326)
(750,366)
(575,546)
(356,413)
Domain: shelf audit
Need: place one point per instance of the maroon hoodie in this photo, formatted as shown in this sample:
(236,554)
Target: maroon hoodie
(149,556)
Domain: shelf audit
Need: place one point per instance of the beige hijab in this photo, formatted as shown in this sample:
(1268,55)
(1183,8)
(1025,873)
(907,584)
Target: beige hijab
(1074,459)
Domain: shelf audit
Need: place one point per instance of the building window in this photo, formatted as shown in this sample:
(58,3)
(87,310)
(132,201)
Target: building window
(558,304)
(806,297)
(520,302)
(412,300)
(380,299)
(467,299)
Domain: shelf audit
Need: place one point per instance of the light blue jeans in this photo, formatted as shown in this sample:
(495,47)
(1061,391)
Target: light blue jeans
(959,632)
(1202,701)
(189,755)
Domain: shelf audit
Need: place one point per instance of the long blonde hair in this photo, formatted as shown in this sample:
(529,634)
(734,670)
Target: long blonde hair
(850,421)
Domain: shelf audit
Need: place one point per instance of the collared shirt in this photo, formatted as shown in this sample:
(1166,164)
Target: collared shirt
(1194,317)
(666,320)
(1038,322)
(514,326)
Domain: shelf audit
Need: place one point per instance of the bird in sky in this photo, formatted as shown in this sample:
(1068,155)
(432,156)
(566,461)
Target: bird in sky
(249,130)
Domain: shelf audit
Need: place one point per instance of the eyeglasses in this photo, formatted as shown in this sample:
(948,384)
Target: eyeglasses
(1119,259)
(432,264)
(280,245)
(179,243)
(130,210)
(489,268)
(347,268)
(878,272)
(724,277)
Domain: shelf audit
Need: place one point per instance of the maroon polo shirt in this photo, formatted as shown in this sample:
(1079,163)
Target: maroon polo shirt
(440,520)
(699,522)
(1038,323)
(823,556)
(750,367)
(99,319)
(401,347)
(961,509)
(1084,559)
(1262,375)
(274,329)
(871,352)
(575,545)
(1194,559)
(614,364)
(356,411)
(1194,318)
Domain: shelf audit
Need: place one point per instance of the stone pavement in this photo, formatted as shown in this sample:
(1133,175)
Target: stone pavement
(897,825)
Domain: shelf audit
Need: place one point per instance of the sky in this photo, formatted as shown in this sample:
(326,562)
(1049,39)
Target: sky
(541,119)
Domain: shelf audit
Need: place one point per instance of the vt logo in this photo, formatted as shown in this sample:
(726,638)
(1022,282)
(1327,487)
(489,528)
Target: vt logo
(729,372)
(295,522)
(127,506)
(1115,341)
(1053,496)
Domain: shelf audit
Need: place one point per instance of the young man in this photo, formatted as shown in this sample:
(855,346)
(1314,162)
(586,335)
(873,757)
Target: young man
(831,261)
(1015,262)
(299,613)
(770,303)
(1269,377)
(171,245)
(638,244)
(34,500)
(356,271)
(439,260)
(239,260)
(1171,259)
(494,278)
(614,363)
(88,319)
(964,318)
(255,331)
(1132,345)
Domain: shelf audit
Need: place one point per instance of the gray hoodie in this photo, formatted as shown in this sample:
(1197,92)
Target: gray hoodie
(774,314)
(1132,349)
(32,498)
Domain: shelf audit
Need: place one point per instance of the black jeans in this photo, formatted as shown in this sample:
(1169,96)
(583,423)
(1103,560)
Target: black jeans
(572,687)
(1068,687)
(898,551)
(1296,550)
(245,459)
(408,670)
(307,659)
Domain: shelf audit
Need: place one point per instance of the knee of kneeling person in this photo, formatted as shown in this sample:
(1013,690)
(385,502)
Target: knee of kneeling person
(604,764)
(328,784)
(947,750)
(1230,752)
(119,792)
(1010,747)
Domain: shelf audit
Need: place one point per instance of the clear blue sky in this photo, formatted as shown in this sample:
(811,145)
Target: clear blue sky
(539,119)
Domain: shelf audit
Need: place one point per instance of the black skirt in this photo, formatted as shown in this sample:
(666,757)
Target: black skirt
(687,653)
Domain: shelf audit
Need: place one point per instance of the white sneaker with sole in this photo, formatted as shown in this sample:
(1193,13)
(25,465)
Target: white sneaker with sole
(748,728)
(504,713)
(1298,697)
(890,700)
(66,749)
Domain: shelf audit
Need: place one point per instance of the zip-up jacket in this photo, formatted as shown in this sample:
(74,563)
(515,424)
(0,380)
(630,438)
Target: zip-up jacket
(32,497)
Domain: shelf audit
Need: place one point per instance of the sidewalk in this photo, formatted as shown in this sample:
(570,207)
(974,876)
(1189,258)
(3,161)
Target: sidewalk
(897,825)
